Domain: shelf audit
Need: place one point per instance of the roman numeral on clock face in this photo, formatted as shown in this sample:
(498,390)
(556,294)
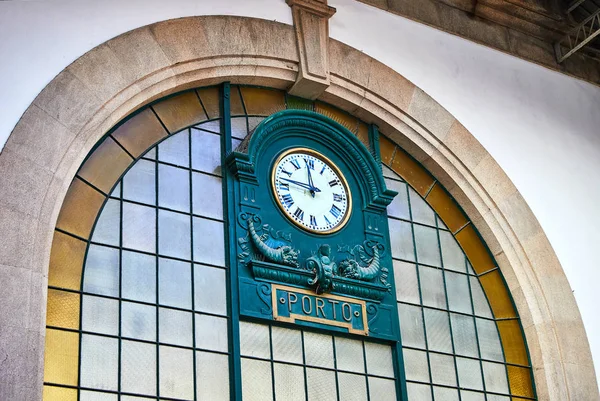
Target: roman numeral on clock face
(287,200)
(295,164)
(313,220)
(335,211)
(310,163)
(333,183)
(337,198)
(285,186)
(299,214)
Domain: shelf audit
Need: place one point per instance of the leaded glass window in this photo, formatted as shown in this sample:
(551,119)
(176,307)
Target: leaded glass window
(139,299)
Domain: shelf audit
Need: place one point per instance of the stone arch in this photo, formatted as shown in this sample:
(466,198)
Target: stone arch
(102,87)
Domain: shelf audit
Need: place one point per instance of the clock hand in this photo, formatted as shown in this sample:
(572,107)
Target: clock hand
(301,184)
(310,181)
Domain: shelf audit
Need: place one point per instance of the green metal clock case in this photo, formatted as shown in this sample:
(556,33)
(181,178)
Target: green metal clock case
(353,263)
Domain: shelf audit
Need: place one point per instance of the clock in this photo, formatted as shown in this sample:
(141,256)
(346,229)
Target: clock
(311,191)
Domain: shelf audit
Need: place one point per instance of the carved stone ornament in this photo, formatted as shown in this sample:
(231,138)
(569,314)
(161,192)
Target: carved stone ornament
(272,257)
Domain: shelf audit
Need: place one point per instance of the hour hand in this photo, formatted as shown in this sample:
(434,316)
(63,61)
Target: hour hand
(301,184)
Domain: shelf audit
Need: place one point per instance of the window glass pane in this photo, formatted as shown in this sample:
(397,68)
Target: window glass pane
(401,240)
(139,184)
(463,330)
(318,349)
(96,396)
(207,195)
(489,341)
(379,359)
(139,227)
(411,326)
(418,392)
(239,128)
(101,273)
(415,365)
(442,369)
(287,345)
(174,234)
(438,330)
(432,287)
(175,288)
(138,369)
(407,284)
(289,382)
(349,355)
(211,333)
(382,389)
(213,126)
(138,321)
(256,380)
(100,315)
(428,251)
(139,277)
(399,206)
(321,385)
(209,242)
(471,396)
(99,362)
(480,303)
(206,152)
(212,376)
(445,394)
(495,377)
(459,298)
(107,227)
(175,327)
(173,188)
(469,373)
(453,256)
(176,372)
(421,211)
(209,289)
(352,387)
(175,150)
(255,340)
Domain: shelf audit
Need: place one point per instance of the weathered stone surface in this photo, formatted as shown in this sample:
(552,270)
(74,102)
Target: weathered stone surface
(464,146)
(430,114)
(40,138)
(68,100)
(18,233)
(23,183)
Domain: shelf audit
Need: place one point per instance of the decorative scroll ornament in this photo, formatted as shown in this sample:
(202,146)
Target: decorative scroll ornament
(272,257)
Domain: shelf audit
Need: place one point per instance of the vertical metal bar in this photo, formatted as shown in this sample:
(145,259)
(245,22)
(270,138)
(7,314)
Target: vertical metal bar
(120,369)
(304,366)
(337,384)
(233,332)
(191,195)
(364,351)
(156,284)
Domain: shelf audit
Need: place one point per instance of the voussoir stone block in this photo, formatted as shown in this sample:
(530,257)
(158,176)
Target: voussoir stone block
(430,114)
(68,100)
(40,138)
(17,231)
(139,54)
(23,183)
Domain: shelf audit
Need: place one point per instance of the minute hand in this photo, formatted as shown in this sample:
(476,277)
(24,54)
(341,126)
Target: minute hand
(301,184)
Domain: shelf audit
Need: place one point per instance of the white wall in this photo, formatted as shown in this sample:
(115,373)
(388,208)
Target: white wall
(542,127)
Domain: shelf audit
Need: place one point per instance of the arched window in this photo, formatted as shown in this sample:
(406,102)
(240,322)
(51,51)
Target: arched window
(141,301)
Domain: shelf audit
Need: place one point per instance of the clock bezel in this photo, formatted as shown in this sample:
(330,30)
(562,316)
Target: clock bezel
(335,169)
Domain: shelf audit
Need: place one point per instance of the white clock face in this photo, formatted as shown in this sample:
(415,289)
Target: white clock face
(311,191)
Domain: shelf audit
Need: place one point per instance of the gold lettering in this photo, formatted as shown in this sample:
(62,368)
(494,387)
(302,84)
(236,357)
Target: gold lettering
(305,309)
(320,305)
(349,310)
(291,296)
(333,304)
